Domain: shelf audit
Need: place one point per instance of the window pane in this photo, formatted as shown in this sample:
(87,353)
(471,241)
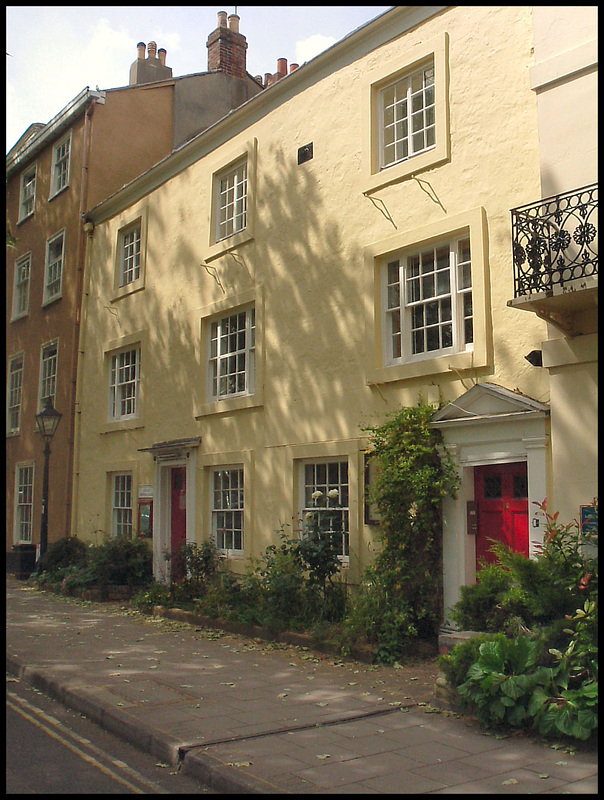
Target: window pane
(227,510)
(443,282)
(130,257)
(418,141)
(432,339)
(437,312)
(418,342)
(417,316)
(327,477)
(125,371)
(492,487)
(24,504)
(428,286)
(122,505)
(431,313)
(232,202)
(520,486)
(427,262)
(469,331)
(463,250)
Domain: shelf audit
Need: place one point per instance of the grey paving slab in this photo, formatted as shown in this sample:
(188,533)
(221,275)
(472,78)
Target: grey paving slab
(247,716)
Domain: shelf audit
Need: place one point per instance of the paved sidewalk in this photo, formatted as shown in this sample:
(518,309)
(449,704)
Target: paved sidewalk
(243,715)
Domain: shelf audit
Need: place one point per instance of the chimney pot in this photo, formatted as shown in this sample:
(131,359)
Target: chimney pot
(140,50)
(152,49)
(282,66)
(234,23)
(267,79)
(222,19)
(161,54)
(293,68)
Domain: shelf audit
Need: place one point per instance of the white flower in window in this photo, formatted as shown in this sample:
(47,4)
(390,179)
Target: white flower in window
(332,493)
(316,495)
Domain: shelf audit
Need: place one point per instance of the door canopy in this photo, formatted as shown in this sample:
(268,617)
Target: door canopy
(487,402)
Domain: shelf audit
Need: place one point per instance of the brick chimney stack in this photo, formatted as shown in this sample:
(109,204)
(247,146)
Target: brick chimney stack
(226,47)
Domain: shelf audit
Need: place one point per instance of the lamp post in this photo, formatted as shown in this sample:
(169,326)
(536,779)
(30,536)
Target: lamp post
(47,420)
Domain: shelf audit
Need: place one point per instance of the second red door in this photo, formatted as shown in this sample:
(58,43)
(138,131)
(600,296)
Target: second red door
(501,494)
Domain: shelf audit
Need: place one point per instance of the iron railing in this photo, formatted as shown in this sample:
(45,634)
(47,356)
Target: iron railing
(555,241)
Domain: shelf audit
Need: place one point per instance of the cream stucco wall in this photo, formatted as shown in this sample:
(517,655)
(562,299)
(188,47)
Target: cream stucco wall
(564,79)
(305,266)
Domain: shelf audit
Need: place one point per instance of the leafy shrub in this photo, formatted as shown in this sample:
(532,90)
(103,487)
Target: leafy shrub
(545,678)
(282,586)
(455,665)
(156,594)
(500,683)
(529,591)
(119,561)
(506,685)
(67,552)
(478,602)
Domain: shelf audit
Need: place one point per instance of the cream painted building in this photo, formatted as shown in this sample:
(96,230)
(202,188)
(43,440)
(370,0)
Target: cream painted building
(562,223)
(335,248)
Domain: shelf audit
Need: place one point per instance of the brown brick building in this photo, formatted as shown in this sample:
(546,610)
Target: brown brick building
(98,143)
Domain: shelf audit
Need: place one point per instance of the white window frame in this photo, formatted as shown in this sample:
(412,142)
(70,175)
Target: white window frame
(53,271)
(24,503)
(22,282)
(14,400)
(325,475)
(61,165)
(403,64)
(124,385)
(406,113)
(231,201)
(122,508)
(427,291)
(130,255)
(49,366)
(27,194)
(232,354)
(378,368)
(227,507)
(222,164)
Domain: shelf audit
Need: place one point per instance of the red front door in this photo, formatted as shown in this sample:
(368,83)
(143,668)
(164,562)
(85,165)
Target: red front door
(178,521)
(501,494)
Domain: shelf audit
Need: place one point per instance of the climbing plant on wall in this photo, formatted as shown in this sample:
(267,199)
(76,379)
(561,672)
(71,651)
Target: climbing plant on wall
(401,596)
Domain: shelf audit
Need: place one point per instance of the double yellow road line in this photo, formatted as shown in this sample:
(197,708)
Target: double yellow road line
(82,747)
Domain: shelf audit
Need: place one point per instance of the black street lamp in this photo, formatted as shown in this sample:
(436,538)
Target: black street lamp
(48,421)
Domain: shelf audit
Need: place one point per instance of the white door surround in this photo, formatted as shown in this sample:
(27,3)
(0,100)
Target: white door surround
(166,455)
(488,425)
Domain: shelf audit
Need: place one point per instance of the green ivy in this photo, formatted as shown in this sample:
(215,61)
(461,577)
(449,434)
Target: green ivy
(401,595)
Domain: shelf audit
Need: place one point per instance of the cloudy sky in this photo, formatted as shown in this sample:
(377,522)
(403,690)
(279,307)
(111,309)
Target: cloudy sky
(53,52)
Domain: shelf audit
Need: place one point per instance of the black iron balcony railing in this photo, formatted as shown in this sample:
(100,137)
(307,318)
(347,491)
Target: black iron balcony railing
(555,241)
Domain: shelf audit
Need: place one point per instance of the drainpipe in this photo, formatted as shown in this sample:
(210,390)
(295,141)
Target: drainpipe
(81,256)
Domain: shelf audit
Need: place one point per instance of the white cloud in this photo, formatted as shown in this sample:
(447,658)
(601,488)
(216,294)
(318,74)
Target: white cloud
(311,47)
(101,54)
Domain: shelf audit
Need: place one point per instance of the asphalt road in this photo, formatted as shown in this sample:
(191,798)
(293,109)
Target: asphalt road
(50,749)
